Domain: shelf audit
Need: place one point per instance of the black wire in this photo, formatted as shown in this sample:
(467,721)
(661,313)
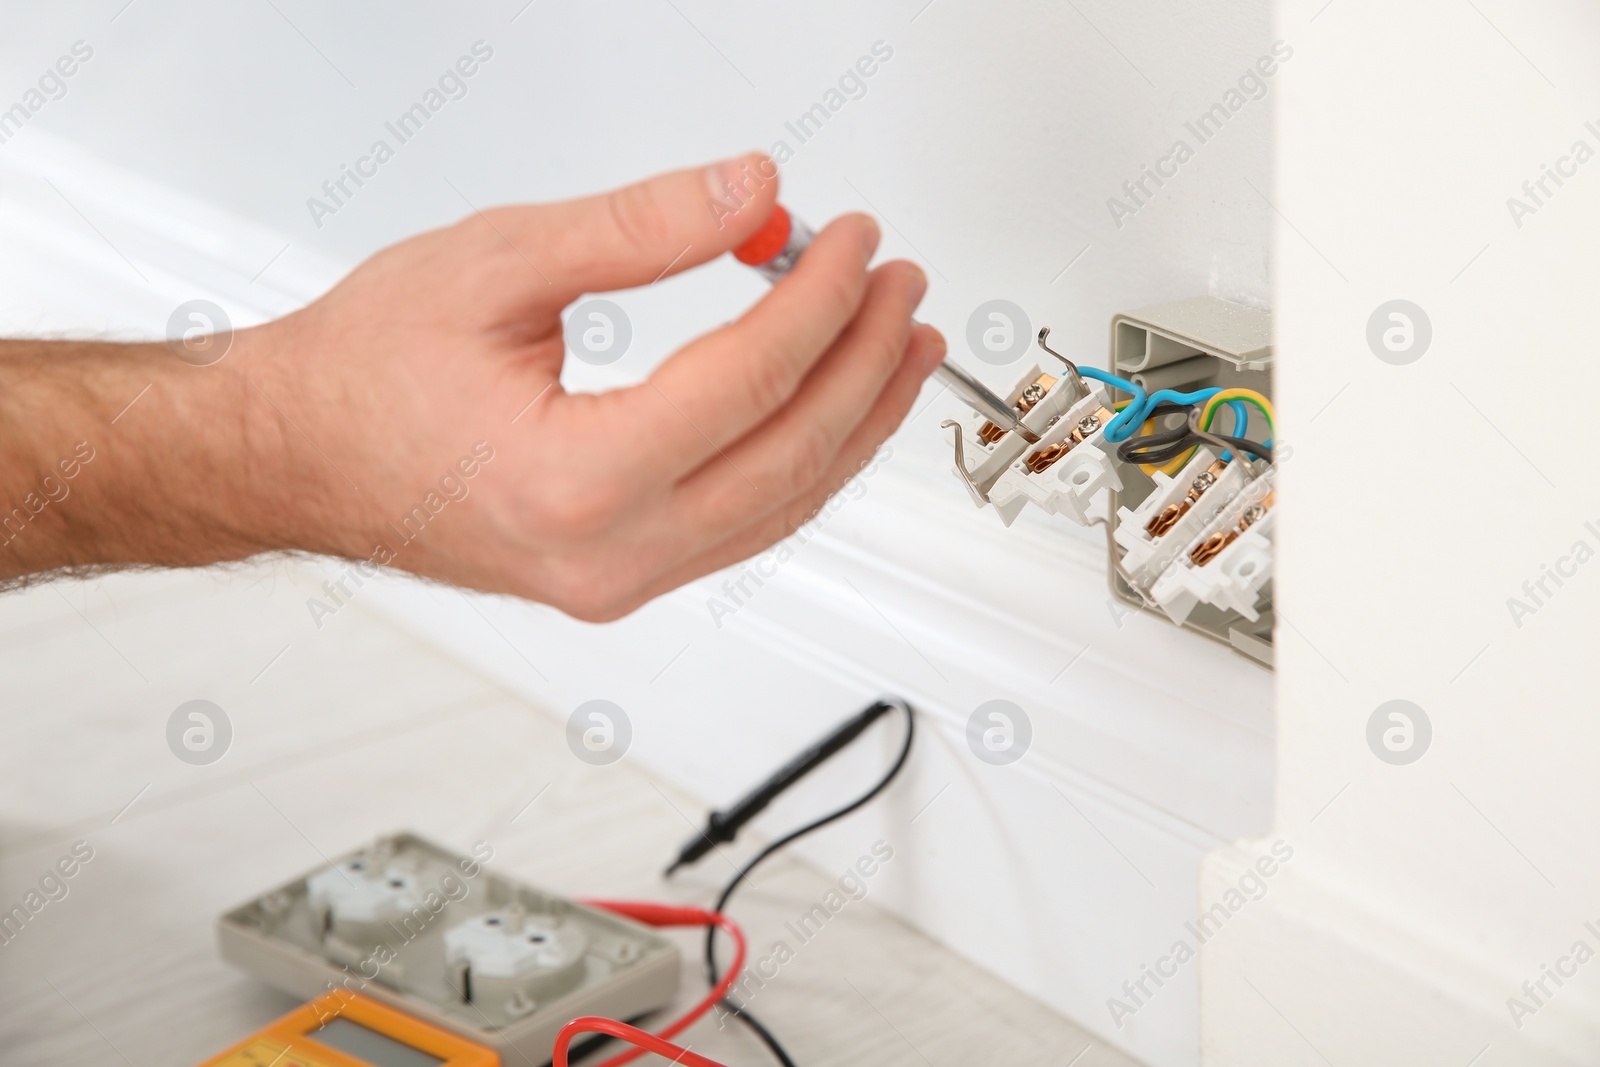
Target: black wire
(1240,444)
(757,1027)
(1164,446)
(1165,452)
(739,1012)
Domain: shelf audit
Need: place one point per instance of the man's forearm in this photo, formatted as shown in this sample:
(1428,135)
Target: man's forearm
(362,424)
(117,455)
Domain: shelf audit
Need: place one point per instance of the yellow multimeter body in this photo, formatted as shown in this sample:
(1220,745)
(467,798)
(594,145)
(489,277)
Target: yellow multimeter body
(344,1029)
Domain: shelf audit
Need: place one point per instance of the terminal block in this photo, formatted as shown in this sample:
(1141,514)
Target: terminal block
(1190,538)
(1190,344)
(1228,562)
(1070,466)
(439,936)
(1153,535)
(984,451)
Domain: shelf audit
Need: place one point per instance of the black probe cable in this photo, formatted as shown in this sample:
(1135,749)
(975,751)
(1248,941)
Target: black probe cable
(871,714)
(723,826)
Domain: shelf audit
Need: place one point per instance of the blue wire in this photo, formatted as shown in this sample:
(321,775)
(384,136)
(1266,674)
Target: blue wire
(1097,375)
(1241,423)
(1241,418)
(1134,415)
(1138,410)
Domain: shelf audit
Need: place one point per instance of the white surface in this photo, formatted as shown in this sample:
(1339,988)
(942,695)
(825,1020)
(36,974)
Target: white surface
(990,144)
(1422,897)
(354,731)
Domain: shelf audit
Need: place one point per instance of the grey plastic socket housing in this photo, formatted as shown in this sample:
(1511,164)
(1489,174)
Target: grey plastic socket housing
(441,937)
(1191,344)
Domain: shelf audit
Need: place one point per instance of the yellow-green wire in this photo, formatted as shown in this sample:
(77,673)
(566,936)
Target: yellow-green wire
(1208,414)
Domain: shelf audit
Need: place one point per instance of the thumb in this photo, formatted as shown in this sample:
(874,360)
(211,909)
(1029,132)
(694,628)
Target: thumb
(640,233)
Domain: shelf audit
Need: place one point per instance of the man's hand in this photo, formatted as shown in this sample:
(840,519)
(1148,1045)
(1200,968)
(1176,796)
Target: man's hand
(414,417)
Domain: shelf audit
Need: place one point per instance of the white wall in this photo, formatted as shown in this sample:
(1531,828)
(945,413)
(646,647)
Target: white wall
(990,144)
(1421,497)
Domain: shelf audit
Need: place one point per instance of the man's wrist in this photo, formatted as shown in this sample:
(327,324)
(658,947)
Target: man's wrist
(119,454)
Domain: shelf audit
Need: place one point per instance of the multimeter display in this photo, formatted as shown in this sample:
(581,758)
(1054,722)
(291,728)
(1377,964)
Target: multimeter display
(369,1046)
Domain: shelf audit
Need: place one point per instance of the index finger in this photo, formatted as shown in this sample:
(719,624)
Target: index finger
(717,389)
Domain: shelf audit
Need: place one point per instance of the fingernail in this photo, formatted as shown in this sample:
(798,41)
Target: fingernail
(732,182)
(871,234)
(718,178)
(918,284)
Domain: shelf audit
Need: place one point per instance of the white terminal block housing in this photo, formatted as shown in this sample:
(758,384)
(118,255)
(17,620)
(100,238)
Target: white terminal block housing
(1185,345)
(1232,579)
(1070,483)
(1197,493)
(1045,395)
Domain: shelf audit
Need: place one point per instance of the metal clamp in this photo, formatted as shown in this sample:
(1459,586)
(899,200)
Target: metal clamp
(961,460)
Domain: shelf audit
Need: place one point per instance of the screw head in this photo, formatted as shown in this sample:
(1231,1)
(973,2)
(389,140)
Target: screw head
(1203,481)
(1088,424)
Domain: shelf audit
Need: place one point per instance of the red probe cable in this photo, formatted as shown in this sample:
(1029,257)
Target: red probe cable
(652,914)
(646,1042)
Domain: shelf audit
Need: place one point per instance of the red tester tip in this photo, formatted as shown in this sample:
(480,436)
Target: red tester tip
(768,241)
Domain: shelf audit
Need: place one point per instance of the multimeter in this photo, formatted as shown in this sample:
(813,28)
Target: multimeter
(345,1029)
